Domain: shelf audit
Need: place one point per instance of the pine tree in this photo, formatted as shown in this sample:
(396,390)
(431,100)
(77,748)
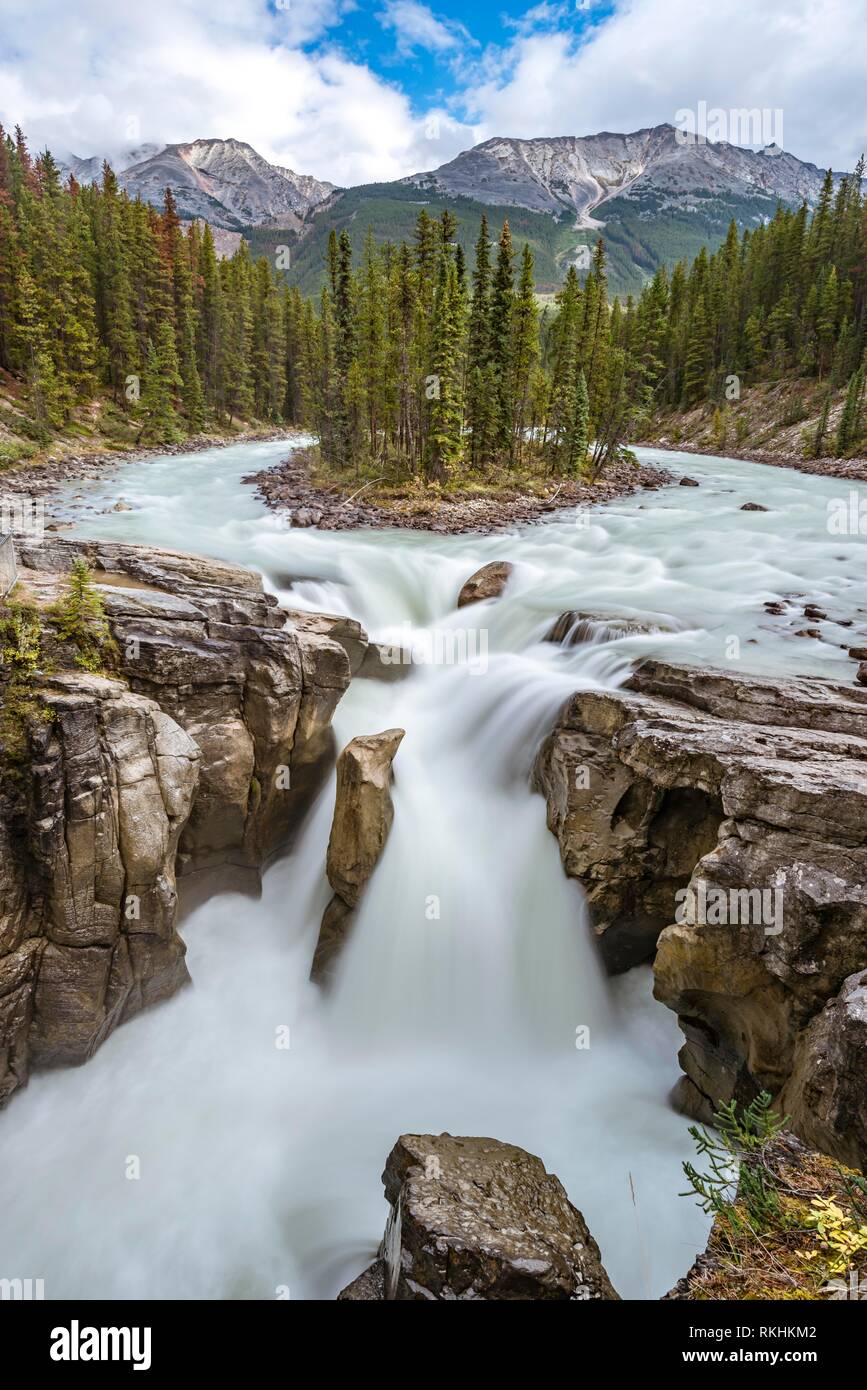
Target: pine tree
(525,352)
(849,429)
(479,351)
(578,427)
(160,386)
(499,377)
(698,356)
(444,432)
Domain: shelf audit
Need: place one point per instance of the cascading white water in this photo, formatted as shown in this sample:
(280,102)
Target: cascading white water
(470,967)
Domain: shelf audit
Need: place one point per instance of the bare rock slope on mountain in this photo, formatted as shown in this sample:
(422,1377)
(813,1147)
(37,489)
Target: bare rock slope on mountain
(580,173)
(748,795)
(223,181)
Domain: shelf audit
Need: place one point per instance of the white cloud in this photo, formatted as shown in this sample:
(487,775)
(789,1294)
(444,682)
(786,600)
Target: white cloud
(416,26)
(79,76)
(83,77)
(651,58)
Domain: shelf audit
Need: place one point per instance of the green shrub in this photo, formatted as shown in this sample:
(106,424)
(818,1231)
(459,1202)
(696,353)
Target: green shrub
(22,642)
(80,619)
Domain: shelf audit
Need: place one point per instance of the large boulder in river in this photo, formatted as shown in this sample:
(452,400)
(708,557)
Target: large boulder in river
(722,820)
(488,582)
(363,815)
(478,1219)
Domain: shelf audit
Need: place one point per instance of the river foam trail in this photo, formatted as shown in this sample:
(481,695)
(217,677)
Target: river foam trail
(471,965)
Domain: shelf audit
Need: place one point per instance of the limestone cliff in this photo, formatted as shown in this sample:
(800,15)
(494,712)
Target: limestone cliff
(695,787)
(202,748)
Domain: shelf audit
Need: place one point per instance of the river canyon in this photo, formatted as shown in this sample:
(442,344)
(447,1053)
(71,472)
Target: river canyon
(470,997)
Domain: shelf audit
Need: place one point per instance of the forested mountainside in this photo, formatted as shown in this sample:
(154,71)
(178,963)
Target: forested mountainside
(411,356)
(657,196)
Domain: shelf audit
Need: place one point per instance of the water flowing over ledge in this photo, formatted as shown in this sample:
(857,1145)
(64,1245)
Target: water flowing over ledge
(259,1164)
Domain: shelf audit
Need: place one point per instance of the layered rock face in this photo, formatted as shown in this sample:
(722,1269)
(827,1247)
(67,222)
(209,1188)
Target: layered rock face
(202,749)
(729,814)
(826,1094)
(87,932)
(203,640)
(479,1219)
(363,815)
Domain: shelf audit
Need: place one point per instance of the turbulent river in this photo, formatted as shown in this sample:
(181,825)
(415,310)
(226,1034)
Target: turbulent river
(259,1165)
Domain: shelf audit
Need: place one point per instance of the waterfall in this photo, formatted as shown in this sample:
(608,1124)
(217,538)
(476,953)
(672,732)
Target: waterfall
(469,997)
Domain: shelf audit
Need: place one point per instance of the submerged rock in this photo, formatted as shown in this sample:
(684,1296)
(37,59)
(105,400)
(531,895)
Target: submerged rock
(696,787)
(572,629)
(488,582)
(478,1219)
(363,814)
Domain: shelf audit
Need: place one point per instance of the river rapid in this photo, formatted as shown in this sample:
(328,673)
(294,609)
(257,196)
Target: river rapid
(470,974)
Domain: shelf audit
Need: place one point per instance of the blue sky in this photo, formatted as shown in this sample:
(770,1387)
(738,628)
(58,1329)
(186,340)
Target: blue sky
(429,50)
(358,91)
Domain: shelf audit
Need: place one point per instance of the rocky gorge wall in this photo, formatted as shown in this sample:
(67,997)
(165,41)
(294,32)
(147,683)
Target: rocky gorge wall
(718,824)
(203,747)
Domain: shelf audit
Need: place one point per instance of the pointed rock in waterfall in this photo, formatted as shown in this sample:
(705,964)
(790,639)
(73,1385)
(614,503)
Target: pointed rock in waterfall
(363,813)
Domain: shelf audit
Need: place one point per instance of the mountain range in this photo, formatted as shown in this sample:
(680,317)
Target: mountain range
(224,182)
(656,194)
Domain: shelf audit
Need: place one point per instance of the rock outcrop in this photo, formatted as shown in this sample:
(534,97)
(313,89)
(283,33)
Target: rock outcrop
(202,748)
(488,582)
(202,639)
(363,815)
(87,932)
(826,1094)
(722,820)
(479,1219)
